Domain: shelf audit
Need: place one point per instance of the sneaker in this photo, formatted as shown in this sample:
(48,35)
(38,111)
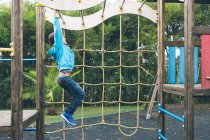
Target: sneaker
(68,118)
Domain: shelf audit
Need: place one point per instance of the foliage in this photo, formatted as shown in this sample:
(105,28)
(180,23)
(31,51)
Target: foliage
(5,25)
(29,90)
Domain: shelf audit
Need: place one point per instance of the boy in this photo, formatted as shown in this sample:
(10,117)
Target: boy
(64,57)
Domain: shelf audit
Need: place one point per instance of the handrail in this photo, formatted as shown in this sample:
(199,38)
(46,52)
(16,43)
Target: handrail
(160,109)
(11,50)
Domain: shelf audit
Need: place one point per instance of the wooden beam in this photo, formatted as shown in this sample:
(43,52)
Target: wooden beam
(17,70)
(201,92)
(5,131)
(173,89)
(181,43)
(178,89)
(29,116)
(151,104)
(189,72)
(201,30)
(161,30)
(30,119)
(40,72)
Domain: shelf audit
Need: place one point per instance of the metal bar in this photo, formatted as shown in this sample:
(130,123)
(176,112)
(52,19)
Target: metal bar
(8,60)
(61,16)
(103,8)
(121,7)
(29,129)
(8,49)
(81,14)
(160,109)
(142,4)
(160,136)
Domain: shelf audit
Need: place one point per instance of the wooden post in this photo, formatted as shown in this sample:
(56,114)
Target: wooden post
(17,70)
(151,104)
(189,71)
(40,71)
(161,46)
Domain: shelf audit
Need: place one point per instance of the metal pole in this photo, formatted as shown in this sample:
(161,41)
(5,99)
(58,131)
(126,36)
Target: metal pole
(81,14)
(160,109)
(8,49)
(9,60)
(142,4)
(103,8)
(121,7)
(160,136)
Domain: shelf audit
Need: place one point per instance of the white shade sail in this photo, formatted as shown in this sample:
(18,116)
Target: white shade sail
(90,21)
(70,5)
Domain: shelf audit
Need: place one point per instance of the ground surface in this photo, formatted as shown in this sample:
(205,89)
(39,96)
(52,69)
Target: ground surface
(174,129)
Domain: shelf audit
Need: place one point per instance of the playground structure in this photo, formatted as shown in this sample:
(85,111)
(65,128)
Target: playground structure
(189,90)
(21,119)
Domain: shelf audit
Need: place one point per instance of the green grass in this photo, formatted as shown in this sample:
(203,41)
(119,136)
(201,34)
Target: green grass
(89,112)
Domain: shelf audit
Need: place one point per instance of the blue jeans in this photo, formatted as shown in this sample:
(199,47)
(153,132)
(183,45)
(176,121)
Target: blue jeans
(74,89)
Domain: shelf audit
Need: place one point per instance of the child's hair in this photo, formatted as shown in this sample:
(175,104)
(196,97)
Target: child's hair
(51,38)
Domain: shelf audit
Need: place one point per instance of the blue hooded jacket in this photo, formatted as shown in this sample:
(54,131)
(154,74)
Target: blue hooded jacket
(60,52)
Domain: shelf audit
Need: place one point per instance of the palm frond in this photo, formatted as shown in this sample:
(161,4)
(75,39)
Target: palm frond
(75,73)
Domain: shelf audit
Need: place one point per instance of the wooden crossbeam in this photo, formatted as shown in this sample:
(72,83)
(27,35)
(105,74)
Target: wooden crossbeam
(180,43)
(151,104)
(201,30)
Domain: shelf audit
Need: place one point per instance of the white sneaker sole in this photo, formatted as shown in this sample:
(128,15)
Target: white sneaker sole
(67,121)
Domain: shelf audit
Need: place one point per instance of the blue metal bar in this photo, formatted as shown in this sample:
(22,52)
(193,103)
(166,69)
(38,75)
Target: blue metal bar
(160,109)
(160,136)
(30,129)
(9,60)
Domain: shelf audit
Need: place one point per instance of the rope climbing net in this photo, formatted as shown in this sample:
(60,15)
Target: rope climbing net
(103,83)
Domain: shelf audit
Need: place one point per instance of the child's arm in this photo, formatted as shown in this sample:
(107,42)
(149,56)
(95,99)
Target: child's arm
(58,35)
